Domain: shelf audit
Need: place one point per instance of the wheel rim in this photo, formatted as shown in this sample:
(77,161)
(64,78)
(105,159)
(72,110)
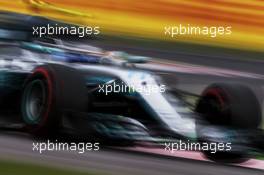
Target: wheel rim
(215,107)
(34,101)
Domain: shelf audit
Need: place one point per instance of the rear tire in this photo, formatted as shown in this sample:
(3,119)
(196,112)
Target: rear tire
(38,105)
(66,99)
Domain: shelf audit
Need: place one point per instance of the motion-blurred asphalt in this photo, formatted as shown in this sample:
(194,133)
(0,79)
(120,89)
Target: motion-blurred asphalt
(19,147)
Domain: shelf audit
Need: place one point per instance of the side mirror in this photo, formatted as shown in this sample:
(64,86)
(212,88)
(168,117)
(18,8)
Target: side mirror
(137,59)
(130,58)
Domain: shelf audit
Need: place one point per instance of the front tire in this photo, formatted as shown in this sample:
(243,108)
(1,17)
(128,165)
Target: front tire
(229,105)
(232,105)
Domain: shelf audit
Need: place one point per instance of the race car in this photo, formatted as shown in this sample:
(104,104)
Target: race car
(49,90)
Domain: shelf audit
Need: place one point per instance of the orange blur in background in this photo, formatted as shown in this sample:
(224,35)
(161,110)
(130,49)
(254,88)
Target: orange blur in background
(147,19)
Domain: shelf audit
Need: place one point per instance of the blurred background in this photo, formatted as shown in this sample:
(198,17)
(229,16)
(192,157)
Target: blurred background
(192,61)
(147,19)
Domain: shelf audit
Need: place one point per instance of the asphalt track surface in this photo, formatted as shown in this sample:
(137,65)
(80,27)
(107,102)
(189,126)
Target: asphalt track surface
(16,146)
(19,148)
